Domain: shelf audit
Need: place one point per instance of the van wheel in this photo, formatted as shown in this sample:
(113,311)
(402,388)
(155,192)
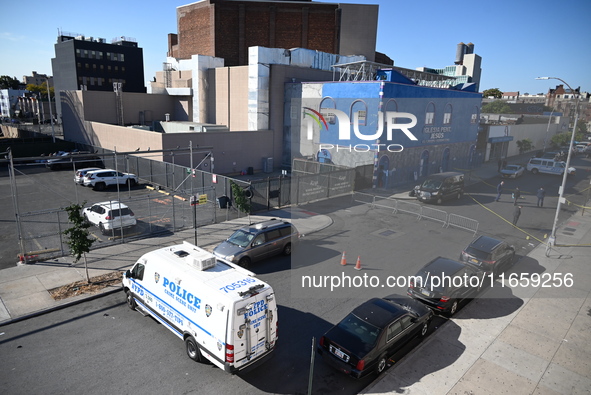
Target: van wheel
(102,229)
(534,171)
(381,365)
(130,300)
(287,249)
(244,262)
(192,349)
(99,186)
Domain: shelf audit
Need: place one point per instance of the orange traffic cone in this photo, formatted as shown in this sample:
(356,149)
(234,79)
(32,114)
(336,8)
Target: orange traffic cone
(358,264)
(343,259)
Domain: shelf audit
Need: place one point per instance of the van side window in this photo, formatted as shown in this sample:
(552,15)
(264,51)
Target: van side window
(273,234)
(286,231)
(138,272)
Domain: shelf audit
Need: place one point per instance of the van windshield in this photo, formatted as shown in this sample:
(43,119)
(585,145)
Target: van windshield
(431,184)
(241,238)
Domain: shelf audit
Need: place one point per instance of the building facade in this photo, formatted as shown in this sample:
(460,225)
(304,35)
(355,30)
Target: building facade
(86,63)
(227,28)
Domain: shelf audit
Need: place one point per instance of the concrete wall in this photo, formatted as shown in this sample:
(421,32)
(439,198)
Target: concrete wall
(229,88)
(359,23)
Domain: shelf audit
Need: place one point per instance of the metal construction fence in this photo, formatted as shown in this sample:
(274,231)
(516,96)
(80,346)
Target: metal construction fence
(418,210)
(313,181)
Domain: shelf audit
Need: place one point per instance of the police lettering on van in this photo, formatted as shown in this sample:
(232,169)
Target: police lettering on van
(222,311)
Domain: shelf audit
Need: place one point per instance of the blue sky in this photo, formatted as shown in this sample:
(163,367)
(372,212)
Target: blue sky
(518,40)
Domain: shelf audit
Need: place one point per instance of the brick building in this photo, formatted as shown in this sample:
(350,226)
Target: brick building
(227,28)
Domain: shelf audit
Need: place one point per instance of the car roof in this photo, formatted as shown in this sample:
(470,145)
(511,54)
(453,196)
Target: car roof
(445,174)
(272,223)
(99,170)
(485,243)
(378,312)
(443,265)
(113,204)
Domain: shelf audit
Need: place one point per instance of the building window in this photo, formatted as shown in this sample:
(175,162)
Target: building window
(99,55)
(121,57)
(358,107)
(79,65)
(94,68)
(447,115)
(86,66)
(78,53)
(430,114)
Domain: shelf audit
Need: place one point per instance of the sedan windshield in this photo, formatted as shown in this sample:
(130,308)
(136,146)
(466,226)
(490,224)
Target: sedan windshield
(241,238)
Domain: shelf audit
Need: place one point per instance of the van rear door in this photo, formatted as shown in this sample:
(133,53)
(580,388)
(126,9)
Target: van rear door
(254,327)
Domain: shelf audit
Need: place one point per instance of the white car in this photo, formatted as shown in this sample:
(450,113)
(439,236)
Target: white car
(512,171)
(109,216)
(101,179)
(81,173)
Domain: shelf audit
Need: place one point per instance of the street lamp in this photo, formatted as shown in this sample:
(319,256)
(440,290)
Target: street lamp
(552,238)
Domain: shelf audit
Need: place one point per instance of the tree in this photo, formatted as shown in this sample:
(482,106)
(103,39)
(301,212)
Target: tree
(525,145)
(41,90)
(240,199)
(79,239)
(494,92)
(496,107)
(7,82)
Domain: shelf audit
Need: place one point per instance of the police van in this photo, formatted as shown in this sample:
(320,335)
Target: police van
(222,311)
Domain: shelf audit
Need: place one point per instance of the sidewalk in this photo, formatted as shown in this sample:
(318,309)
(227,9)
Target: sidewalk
(24,289)
(512,340)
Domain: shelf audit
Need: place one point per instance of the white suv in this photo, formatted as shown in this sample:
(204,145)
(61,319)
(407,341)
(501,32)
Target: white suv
(100,179)
(109,216)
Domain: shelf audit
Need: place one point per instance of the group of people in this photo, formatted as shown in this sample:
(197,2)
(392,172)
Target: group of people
(540,194)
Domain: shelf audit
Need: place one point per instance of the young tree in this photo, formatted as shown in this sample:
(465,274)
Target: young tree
(525,145)
(240,199)
(7,82)
(494,92)
(79,239)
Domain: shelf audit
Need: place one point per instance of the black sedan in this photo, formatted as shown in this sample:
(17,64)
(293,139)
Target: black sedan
(365,339)
(443,283)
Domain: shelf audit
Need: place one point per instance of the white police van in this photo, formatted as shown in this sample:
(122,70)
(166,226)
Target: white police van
(549,166)
(221,311)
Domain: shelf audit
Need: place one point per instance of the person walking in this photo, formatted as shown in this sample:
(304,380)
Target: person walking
(541,194)
(516,195)
(516,214)
(499,190)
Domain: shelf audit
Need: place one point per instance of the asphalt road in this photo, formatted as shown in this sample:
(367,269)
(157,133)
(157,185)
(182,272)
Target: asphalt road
(102,347)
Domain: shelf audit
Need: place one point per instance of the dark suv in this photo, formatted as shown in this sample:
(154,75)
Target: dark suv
(488,254)
(440,187)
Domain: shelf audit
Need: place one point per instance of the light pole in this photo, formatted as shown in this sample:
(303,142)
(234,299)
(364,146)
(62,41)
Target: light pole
(552,238)
(548,129)
(50,111)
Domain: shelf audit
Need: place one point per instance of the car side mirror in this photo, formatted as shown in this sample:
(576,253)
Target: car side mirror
(128,274)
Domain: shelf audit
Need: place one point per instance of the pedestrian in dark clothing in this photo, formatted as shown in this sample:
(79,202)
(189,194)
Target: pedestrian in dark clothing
(499,164)
(541,194)
(516,214)
(516,195)
(499,190)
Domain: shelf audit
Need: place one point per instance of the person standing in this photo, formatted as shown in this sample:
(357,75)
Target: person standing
(499,190)
(516,214)
(516,195)
(541,194)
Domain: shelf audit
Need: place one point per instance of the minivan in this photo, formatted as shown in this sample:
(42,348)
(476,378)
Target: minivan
(258,241)
(441,186)
(549,166)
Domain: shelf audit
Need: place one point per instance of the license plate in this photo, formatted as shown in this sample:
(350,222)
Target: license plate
(472,260)
(339,353)
(425,292)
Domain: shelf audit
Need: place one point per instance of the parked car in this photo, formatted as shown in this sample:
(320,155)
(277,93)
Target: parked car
(101,179)
(258,241)
(549,166)
(364,341)
(443,284)
(440,187)
(489,254)
(81,173)
(65,160)
(512,171)
(109,216)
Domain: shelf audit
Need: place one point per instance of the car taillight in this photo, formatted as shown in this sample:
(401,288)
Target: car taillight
(131,213)
(444,299)
(321,341)
(108,218)
(229,353)
(411,284)
(360,364)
